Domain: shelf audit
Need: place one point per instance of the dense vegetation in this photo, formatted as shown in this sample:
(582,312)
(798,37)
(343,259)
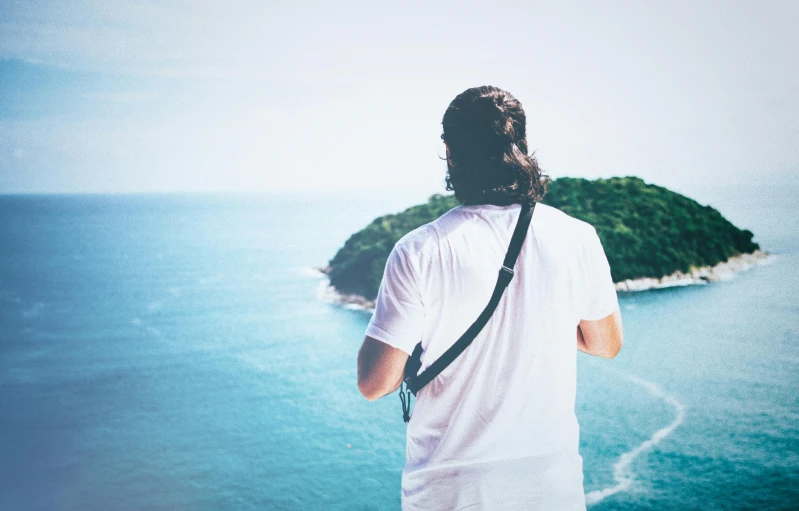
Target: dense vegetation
(646,230)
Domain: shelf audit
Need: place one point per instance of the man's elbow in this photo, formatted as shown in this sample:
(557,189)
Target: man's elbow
(373,389)
(613,348)
(369,391)
(603,337)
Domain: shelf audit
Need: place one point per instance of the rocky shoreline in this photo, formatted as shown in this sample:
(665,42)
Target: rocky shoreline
(703,275)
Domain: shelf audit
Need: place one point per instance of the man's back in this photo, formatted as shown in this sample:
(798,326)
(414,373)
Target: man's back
(496,429)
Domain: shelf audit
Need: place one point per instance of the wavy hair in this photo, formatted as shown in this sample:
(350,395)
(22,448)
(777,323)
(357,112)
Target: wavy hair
(484,128)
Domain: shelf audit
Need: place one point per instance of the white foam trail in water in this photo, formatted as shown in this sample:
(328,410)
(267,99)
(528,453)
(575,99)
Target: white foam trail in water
(622,472)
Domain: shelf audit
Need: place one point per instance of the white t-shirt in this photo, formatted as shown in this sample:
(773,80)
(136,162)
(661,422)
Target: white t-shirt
(496,429)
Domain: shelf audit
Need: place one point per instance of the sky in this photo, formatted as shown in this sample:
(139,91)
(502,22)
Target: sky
(196,96)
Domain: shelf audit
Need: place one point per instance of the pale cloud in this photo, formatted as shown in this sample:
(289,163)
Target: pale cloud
(259,96)
(120,97)
(187,39)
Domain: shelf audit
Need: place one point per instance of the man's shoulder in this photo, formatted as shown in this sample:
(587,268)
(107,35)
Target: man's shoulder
(548,222)
(556,221)
(427,236)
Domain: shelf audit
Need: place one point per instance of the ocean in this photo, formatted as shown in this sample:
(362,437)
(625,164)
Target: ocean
(172,352)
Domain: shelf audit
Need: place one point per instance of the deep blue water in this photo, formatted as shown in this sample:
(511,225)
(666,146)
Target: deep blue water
(170,352)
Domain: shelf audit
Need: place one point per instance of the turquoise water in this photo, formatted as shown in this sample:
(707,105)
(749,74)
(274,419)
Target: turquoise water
(172,353)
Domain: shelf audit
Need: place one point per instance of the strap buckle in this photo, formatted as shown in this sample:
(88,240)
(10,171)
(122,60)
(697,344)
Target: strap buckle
(405,397)
(505,276)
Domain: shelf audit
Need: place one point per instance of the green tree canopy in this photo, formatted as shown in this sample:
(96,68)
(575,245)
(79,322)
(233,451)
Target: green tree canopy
(646,230)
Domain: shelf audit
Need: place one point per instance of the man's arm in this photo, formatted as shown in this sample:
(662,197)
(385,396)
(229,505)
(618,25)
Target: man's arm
(380,368)
(603,337)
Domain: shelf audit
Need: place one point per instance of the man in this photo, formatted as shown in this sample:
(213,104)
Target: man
(496,429)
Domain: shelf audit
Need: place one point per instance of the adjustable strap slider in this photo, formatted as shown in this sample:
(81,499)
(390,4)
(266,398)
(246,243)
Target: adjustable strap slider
(505,276)
(405,397)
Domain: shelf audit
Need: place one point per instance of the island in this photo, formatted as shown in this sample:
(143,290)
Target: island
(653,237)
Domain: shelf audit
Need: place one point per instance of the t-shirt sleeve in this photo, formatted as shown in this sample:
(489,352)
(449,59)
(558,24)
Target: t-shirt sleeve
(399,316)
(599,290)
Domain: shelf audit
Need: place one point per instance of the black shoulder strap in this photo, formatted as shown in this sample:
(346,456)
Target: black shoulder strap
(505,275)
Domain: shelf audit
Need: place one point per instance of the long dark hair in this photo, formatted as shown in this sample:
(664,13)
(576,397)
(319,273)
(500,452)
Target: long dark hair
(484,128)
